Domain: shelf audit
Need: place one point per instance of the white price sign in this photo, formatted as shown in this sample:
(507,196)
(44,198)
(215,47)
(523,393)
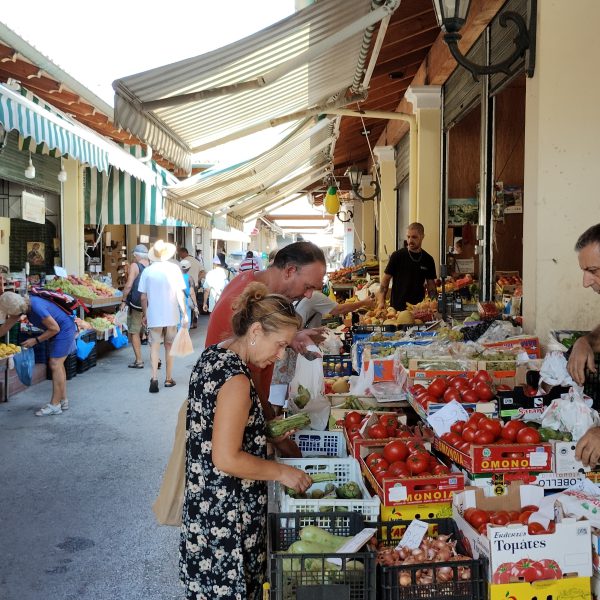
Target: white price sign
(414,534)
(443,419)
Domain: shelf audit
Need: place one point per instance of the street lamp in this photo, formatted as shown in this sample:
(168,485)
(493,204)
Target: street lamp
(355,176)
(451,16)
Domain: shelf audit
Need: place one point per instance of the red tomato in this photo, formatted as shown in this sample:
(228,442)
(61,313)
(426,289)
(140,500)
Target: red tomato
(468,434)
(483,437)
(457,427)
(535,528)
(404,434)
(484,391)
(513,516)
(394,451)
(530,507)
(417,463)
(399,469)
(416,388)
(551,570)
(474,419)
(352,418)
(467,514)
(458,382)
(377,432)
(452,438)
(373,456)
(528,570)
(353,432)
(378,464)
(493,426)
(427,399)
(437,387)
(440,469)
(388,420)
(503,388)
(452,394)
(482,376)
(391,431)
(381,475)
(500,518)
(479,517)
(502,573)
(510,430)
(482,529)
(415,444)
(524,516)
(463,446)
(528,435)
(469,396)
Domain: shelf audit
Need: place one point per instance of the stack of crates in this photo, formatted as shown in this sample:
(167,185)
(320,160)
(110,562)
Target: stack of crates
(90,361)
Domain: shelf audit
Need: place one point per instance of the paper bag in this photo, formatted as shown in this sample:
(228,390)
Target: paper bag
(182,344)
(168,507)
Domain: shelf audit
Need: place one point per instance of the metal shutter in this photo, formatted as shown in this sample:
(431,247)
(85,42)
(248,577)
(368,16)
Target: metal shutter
(402,159)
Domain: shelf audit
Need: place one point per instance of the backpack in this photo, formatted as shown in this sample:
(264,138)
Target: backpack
(64,301)
(134,298)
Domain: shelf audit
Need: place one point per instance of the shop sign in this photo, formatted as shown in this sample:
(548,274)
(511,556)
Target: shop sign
(33,208)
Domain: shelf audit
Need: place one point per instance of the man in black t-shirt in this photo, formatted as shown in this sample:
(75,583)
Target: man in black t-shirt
(410,268)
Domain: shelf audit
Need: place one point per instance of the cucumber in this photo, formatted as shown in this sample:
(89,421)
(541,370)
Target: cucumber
(314,534)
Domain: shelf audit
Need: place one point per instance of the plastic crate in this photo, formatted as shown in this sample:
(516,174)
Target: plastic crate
(88,335)
(320,443)
(296,576)
(389,534)
(336,365)
(345,469)
(70,367)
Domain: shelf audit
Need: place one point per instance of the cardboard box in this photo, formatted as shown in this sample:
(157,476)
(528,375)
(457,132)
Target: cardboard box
(530,344)
(515,404)
(569,545)
(596,552)
(355,446)
(487,408)
(338,414)
(411,490)
(534,458)
(571,588)
(424,370)
(407,512)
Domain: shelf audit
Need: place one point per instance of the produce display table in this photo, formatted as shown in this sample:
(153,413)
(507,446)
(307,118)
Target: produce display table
(93,303)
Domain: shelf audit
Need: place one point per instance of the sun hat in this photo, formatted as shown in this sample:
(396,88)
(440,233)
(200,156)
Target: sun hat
(140,249)
(161,251)
(185,264)
(12,304)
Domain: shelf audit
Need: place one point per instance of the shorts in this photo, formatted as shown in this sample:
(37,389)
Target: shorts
(63,343)
(134,320)
(156,334)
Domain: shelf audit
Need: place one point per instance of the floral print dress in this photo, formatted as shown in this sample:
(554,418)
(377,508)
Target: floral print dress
(223,535)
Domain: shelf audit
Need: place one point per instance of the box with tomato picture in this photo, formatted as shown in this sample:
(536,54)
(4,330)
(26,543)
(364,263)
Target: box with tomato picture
(572,588)
(519,549)
(482,445)
(404,472)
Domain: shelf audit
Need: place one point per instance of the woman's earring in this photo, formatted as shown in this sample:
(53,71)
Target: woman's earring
(253,343)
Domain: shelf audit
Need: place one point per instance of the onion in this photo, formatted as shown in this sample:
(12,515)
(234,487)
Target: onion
(443,574)
(425,580)
(418,554)
(431,552)
(404,552)
(404,578)
(464,572)
(443,554)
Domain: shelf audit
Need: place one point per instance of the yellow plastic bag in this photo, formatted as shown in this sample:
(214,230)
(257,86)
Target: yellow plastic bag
(182,344)
(168,507)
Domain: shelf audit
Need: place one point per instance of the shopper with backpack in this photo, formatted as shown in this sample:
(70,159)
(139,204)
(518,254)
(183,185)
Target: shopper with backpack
(57,326)
(133,300)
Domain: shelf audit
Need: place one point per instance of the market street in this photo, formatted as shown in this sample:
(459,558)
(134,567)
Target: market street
(76,520)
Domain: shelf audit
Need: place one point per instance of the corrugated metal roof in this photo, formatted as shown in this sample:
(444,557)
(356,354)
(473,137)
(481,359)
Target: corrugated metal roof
(302,61)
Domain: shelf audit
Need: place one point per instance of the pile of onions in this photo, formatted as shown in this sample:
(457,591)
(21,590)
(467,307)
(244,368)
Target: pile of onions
(431,551)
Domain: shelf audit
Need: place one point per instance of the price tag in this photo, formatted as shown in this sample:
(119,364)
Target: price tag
(441,420)
(398,493)
(538,459)
(414,534)
(354,544)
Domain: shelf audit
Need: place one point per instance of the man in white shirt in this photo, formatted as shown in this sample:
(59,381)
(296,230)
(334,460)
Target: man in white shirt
(214,283)
(163,305)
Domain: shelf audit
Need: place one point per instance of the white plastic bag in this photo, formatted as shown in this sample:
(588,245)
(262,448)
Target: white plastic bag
(360,385)
(121,317)
(554,370)
(182,344)
(571,413)
(306,393)
(332,344)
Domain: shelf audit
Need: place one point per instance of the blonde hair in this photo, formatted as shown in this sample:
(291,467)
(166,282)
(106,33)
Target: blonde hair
(12,304)
(272,311)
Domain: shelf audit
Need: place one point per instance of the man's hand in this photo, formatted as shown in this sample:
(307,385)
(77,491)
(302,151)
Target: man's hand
(582,357)
(288,448)
(307,337)
(588,448)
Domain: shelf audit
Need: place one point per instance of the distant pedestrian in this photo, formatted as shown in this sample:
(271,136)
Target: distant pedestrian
(194,270)
(133,301)
(191,301)
(250,263)
(163,305)
(214,284)
(58,328)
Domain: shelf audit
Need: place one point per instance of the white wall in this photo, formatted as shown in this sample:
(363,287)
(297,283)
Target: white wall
(562,155)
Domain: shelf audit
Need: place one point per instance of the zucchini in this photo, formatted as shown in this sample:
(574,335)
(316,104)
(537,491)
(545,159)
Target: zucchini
(307,547)
(277,427)
(319,477)
(314,534)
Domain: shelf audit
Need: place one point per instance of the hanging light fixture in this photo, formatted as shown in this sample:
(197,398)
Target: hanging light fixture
(30,170)
(452,15)
(62,174)
(355,176)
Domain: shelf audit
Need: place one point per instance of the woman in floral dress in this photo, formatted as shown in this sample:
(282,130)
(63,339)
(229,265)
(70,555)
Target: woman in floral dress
(223,537)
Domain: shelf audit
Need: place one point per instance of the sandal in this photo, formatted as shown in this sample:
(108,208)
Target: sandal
(153,386)
(170,383)
(136,365)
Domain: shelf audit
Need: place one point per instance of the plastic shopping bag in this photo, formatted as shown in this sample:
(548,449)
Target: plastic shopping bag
(571,413)
(306,392)
(182,344)
(83,348)
(168,506)
(24,362)
(118,339)
(121,317)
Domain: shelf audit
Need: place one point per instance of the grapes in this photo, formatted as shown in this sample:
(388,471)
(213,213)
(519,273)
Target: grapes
(474,332)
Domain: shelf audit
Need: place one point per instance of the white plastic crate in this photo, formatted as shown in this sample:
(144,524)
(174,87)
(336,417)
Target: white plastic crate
(320,443)
(345,469)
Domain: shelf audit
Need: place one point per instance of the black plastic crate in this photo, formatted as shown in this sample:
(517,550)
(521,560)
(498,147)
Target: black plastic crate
(312,575)
(88,335)
(389,534)
(70,367)
(87,363)
(335,365)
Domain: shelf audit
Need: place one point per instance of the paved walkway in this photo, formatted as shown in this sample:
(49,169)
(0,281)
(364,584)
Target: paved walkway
(76,489)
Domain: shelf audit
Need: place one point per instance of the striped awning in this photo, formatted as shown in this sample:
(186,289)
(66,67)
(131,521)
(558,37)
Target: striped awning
(57,132)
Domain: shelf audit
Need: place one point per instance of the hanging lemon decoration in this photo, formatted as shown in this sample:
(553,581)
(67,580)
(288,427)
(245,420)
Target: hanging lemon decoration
(332,201)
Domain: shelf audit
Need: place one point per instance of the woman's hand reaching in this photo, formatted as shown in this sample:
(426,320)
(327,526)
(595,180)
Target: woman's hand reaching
(295,479)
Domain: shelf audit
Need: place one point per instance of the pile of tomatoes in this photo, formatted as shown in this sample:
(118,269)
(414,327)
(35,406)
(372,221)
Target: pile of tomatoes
(468,390)
(479,519)
(481,430)
(404,458)
(527,570)
(387,426)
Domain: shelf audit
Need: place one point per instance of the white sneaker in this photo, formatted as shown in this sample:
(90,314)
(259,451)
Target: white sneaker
(64,404)
(48,410)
